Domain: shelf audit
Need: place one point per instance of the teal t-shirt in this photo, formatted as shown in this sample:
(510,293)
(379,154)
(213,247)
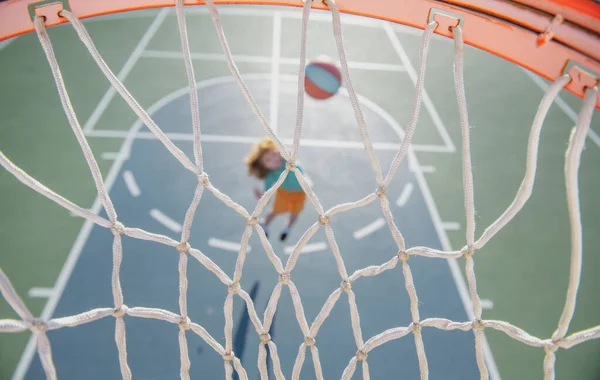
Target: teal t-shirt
(290,183)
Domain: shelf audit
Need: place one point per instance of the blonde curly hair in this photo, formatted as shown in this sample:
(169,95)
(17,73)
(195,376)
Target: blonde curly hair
(254,162)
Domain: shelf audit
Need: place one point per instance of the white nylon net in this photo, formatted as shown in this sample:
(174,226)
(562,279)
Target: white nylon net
(402,256)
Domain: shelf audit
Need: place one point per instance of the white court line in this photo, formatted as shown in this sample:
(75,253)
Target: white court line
(69,265)
(560,102)
(435,117)
(275,55)
(41,292)
(459,280)
(487,304)
(451,226)
(374,66)
(369,228)
(251,140)
(267,11)
(5,43)
(308,248)
(217,57)
(131,184)
(109,156)
(315,15)
(141,13)
(226,245)
(131,61)
(165,54)
(405,194)
(161,218)
(423,168)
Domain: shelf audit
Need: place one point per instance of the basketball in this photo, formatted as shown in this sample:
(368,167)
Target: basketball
(322,80)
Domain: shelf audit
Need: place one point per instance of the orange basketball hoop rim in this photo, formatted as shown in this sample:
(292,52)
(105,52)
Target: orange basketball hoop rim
(548,37)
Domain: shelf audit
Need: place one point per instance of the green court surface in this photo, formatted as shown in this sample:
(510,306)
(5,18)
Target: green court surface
(522,273)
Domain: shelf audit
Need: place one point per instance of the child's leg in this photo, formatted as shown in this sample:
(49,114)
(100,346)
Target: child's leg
(279,206)
(291,221)
(268,219)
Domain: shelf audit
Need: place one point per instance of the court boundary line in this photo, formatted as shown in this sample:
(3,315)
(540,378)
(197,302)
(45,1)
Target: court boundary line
(5,43)
(246,58)
(126,69)
(69,265)
(405,194)
(315,247)
(207,138)
(275,56)
(427,102)
(131,184)
(124,153)
(226,245)
(166,221)
(369,229)
(40,292)
(317,15)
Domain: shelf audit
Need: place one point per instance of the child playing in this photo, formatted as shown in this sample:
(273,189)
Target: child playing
(265,163)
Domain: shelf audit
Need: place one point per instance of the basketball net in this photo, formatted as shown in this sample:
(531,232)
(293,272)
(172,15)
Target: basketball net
(310,331)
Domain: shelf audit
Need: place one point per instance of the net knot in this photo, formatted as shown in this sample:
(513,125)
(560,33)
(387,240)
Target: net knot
(324,219)
(403,256)
(185,323)
(290,165)
(309,341)
(478,325)
(183,247)
(234,288)
(380,191)
(265,338)
(228,356)
(117,228)
(361,355)
(346,285)
(550,347)
(252,221)
(38,326)
(120,311)
(203,178)
(415,327)
(468,251)
(284,278)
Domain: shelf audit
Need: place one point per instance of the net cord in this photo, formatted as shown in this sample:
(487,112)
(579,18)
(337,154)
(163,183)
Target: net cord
(231,362)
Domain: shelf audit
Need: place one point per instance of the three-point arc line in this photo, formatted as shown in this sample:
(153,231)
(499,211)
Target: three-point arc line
(131,184)
(308,248)
(40,292)
(226,245)
(165,220)
(405,194)
(369,228)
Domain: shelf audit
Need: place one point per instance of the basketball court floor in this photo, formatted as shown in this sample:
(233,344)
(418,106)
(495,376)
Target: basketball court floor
(61,265)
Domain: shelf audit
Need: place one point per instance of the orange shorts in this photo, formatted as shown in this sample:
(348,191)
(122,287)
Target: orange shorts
(288,201)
